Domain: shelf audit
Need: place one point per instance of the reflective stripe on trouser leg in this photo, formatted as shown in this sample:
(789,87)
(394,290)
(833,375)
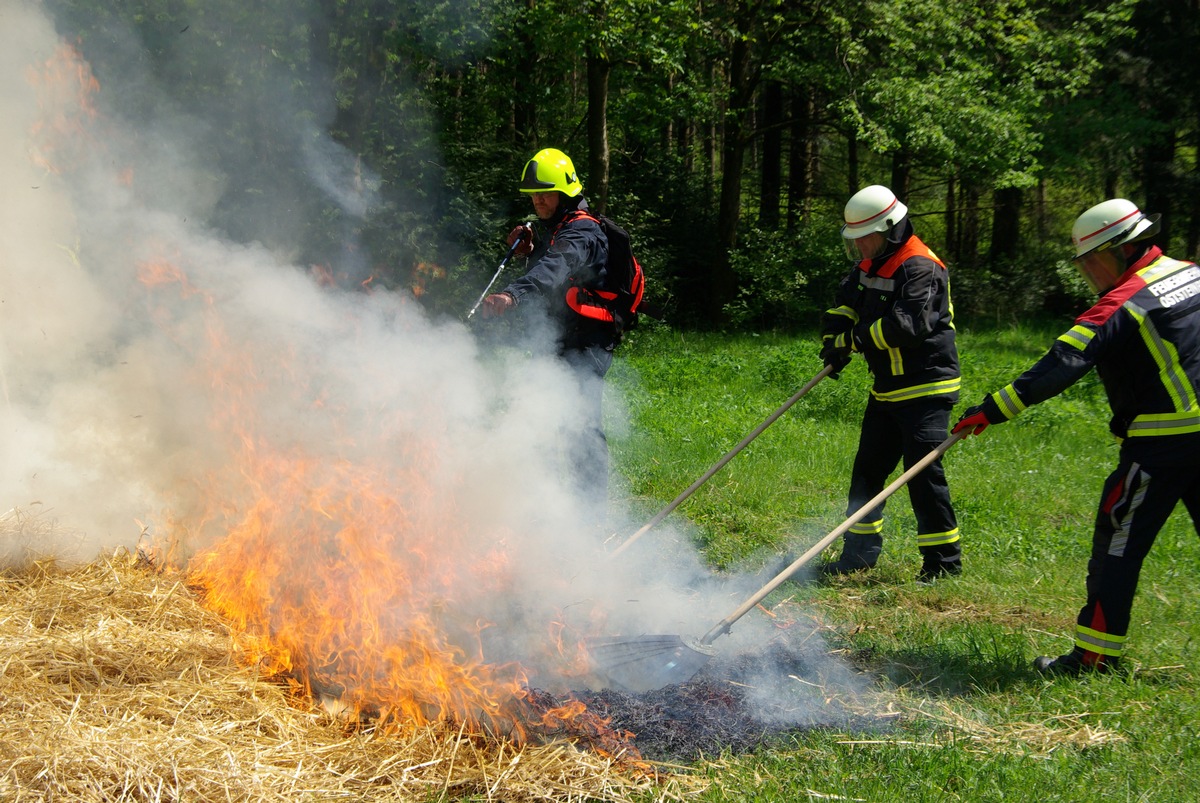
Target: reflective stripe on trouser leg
(867,527)
(1090,640)
(911,431)
(1134,505)
(937,539)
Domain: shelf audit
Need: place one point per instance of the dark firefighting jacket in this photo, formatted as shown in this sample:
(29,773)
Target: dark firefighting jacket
(570,250)
(1143,337)
(896,310)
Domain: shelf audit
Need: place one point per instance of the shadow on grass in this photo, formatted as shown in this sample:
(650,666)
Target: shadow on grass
(946,671)
(937,641)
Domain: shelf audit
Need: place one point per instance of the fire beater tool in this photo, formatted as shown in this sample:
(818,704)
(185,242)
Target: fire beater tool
(720,464)
(645,663)
(512,248)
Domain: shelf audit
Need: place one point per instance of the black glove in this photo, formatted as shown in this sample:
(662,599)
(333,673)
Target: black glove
(838,357)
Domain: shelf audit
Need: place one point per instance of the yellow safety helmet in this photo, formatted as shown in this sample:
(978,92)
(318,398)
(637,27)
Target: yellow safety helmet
(550,169)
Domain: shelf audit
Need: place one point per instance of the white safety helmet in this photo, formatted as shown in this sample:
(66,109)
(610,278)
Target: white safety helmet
(1109,224)
(1097,233)
(871,210)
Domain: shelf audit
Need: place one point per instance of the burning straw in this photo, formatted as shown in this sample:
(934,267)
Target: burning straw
(118,685)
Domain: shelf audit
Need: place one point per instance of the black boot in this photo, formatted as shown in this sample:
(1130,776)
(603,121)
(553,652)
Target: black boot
(1075,663)
(940,560)
(860,551)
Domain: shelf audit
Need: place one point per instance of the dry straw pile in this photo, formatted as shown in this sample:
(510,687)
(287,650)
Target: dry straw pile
(117,685)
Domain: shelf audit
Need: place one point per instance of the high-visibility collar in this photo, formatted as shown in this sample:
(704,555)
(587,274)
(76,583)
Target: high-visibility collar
(912,247)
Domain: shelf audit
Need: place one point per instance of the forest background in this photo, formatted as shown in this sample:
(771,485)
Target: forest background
(725,135)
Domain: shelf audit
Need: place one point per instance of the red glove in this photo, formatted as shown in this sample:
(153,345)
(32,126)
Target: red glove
(523,236)
(497,304)
(973,422)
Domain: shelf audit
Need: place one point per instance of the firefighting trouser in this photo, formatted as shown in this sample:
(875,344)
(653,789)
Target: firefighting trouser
(1133,508)
(587,445)
(891,432)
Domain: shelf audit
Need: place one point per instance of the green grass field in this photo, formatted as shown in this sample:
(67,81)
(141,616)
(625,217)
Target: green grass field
(975,723)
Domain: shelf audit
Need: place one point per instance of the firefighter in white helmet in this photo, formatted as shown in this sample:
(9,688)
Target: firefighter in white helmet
(893,307)
(1143,338)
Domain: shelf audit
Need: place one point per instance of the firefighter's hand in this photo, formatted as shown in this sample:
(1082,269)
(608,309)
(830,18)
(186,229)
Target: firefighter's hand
(973,422)
(523,236)
(837,357)
(497,304)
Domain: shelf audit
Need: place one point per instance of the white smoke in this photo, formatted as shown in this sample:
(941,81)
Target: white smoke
(107,419)
(107,416)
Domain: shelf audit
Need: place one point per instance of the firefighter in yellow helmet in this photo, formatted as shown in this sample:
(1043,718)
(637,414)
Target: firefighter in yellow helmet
(568,252)
(893,308)
(1143,338)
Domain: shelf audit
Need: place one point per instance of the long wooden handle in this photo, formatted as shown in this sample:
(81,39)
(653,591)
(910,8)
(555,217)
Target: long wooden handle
(720,464)
(723,626)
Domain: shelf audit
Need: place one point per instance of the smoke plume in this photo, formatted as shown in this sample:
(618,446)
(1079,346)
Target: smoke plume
(162,353)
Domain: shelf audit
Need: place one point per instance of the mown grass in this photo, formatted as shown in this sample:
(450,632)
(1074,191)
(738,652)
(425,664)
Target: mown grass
(977,723)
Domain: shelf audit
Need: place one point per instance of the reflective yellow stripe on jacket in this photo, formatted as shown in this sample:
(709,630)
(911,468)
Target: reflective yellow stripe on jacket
(1185,417)
(1009,402)
(918,391)
(895,358)
(844,311)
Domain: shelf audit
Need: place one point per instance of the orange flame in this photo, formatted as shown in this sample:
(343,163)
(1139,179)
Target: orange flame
(351,578)
(330,579)
(424,273)
(66,90)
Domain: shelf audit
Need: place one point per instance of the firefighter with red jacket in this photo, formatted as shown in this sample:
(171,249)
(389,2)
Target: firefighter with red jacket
(894,308)
(567,251)
(1143,338)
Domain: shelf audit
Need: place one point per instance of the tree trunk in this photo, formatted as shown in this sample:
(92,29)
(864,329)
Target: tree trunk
(524,111)
(1006,228)
(801,158)
(969,238)
(709,144)
(953,247)
(901,173)
(1158,179)
(684,132)
(722,282)
(668,134)
(771,176)
(852,163)
(598,69)
(1042,226)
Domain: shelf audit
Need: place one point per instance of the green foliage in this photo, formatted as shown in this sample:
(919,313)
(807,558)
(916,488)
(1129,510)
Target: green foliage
(437,107)
(970,83)
(786,279)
